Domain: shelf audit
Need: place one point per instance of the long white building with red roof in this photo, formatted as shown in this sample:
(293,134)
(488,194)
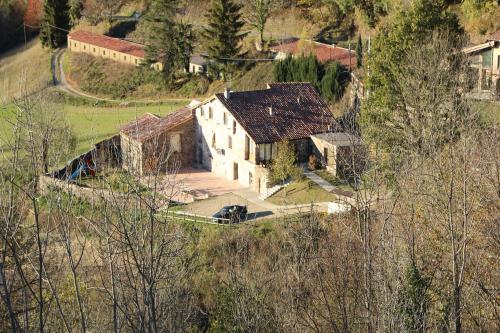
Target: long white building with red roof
(117,49)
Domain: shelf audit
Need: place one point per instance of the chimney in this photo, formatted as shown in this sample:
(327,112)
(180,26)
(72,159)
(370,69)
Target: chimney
(227,93)
(298,99)
(271,112)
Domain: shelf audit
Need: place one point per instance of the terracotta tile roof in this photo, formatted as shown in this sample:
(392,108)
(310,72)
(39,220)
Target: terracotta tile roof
(495,36)
(115,44)
(149,126)
(297,112)
(323,52)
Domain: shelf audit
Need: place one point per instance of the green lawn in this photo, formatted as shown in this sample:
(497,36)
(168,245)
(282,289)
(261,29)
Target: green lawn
(301,192)
(335,181)
(489,110)
(92,124)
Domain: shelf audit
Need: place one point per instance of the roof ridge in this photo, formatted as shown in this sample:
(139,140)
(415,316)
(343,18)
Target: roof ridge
(105,36)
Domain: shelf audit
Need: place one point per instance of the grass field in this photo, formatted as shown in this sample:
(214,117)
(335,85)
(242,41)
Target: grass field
(92,123)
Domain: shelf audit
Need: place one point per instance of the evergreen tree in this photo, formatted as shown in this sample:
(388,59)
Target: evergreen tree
(55,23)
(167,42)
(313,70)
(223,34)
(414,300)
(185,44)
(331,84)
(75,11)
(359,52)
(280,70)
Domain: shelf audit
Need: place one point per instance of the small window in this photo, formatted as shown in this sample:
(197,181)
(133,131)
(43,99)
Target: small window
(234,126)
(84,47)
(213,141)
(114,55)
(202,112)
(210,113)
(124,57)
(94,49)
(225,118)
(498,63)
(104,52)
(75,44)
(229,142)
(136,61)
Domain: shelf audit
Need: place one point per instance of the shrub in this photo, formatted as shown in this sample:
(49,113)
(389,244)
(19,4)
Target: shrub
(331,85)
(197,85)
(297,174)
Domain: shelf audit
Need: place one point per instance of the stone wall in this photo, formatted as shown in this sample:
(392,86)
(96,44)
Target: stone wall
(172,148)
(131,154)
(223,146)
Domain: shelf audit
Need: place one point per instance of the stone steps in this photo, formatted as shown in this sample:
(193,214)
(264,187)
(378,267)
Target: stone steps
(272,190)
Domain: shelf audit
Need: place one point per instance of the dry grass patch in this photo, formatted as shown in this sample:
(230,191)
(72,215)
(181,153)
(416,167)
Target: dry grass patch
(24,69)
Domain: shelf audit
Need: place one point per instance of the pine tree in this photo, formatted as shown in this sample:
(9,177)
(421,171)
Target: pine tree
(168,42)
(223,34)
(55,23)
(75,11)
(359,52)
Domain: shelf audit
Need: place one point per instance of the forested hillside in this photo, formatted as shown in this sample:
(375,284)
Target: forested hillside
(391,223)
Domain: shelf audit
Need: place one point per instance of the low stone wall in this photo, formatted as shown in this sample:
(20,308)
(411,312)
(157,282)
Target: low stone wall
(106,153)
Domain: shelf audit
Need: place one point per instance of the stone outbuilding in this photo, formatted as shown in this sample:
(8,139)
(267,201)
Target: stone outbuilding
(342,154)
(153,143)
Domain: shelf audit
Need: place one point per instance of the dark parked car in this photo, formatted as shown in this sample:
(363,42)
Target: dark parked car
(233,213)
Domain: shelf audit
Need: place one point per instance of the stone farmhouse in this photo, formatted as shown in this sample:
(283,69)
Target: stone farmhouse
(323,52)
(485,58)
(119,50)
(234,134)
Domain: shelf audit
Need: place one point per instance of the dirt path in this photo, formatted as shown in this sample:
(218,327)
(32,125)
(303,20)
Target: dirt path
(60,82)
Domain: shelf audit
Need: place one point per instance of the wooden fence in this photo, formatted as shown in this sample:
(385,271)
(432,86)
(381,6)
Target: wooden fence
(189,217)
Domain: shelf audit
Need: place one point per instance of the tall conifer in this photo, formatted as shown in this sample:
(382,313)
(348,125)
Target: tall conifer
(223,33)
(55,23)
(359,52)
(168,42)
